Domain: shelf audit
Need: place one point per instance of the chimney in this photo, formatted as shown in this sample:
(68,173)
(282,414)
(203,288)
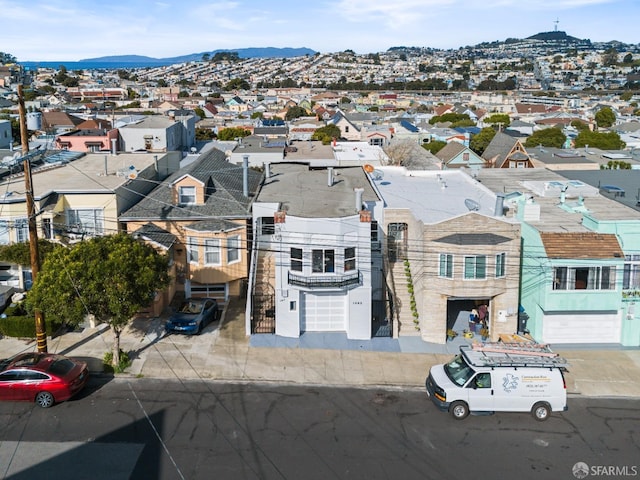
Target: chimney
(245,175)
(359,192)
(330,176)
(499,208)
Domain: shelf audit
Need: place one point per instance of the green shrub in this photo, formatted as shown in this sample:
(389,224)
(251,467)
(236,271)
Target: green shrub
(125,362)
(23,326)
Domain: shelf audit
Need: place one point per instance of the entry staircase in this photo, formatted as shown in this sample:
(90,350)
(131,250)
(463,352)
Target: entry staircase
(406,327)
(263,315)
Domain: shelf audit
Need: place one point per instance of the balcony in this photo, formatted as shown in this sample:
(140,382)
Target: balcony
(326,281)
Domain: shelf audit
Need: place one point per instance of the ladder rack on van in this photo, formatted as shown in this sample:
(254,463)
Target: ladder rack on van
(500,355)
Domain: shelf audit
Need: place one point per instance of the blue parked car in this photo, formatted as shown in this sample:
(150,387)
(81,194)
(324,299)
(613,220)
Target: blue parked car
(193,316)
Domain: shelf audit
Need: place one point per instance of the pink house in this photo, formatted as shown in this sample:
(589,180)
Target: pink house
(88,140)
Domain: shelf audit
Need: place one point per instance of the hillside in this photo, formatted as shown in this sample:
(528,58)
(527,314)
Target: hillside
(265,52)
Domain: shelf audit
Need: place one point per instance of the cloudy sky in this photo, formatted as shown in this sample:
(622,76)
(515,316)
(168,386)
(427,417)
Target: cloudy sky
(72,30)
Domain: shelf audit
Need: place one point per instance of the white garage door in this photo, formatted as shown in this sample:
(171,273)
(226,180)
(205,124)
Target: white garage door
(323,312)
(593,328)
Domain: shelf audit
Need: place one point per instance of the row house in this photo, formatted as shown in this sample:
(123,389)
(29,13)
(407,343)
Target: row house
(78,199)
(579,279)
(201,217)
(449,250)
(316,257)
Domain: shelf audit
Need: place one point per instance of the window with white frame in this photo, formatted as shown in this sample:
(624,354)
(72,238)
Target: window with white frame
(500,265)
(296,259)
(446,265)
(22,229)
(233,249)
(193,250)
(86,220)
(584,278)
(349,259)
(212,251)
(475,267)
(631,273)
(267,226)
(187,195)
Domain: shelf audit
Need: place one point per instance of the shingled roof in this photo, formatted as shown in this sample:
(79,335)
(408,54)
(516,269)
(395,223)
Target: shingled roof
(586,245)
(224,197)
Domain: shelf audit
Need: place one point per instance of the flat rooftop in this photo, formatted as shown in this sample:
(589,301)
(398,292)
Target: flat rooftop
(94,172)
(305,192)
(558,213)
(433,196)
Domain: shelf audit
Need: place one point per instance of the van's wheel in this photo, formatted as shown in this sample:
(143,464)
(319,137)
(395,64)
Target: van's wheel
(459,410)
(541,411)
(44,399)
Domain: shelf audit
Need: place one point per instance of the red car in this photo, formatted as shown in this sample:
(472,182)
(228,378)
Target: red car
(44,378)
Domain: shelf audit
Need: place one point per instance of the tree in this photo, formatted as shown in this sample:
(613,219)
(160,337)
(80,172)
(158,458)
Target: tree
(204,134)
(206,57)
(481,140)
(295,112)
(111,277)
(605,117)
(232,133)
(501,119)
(548,137)
(237,84)
(601,140)
(199,111)
(610,57)
(20,253)
(434,146)
(6,58)
(327,133)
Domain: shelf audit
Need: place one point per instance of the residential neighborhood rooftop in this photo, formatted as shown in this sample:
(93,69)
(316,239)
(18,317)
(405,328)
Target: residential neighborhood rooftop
(92,173)
(306,192)
(433,195)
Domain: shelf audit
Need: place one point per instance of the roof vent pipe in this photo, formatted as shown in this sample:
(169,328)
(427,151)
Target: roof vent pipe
(267,170)
(499,209)
(359,192)
(245,175)
(330,176)
(114,147)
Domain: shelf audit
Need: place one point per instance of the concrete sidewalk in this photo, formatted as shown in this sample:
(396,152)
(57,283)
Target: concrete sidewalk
(223,352)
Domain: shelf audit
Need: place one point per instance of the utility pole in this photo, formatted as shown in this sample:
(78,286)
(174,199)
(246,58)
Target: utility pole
(41,331)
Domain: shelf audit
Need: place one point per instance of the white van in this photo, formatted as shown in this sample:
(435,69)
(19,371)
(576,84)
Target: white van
(494,377)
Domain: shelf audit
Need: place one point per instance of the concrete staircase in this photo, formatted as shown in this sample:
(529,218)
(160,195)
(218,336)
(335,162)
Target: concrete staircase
(406,327)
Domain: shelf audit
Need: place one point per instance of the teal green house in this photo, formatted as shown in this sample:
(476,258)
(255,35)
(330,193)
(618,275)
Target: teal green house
(580,261)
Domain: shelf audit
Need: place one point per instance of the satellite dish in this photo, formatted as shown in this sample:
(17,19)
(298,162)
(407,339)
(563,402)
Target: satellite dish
(132,175)
(377,174)
(194,149)
(472,205)
(228,153)
(368,168)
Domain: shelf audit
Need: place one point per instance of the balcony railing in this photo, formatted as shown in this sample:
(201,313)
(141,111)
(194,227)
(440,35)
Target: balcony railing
(326,281)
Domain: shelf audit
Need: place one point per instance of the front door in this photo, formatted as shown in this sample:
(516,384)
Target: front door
(397,241)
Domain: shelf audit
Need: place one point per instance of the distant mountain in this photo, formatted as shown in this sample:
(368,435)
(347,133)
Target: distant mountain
(266,52)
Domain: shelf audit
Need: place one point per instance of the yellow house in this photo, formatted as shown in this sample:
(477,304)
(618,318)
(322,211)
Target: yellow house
(201,216)
(76,196)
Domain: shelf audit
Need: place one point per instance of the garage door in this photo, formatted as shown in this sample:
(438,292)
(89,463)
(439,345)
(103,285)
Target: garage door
(323,312)
(603,328)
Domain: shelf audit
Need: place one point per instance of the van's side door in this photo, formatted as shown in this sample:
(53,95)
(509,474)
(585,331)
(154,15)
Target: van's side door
(480,393)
